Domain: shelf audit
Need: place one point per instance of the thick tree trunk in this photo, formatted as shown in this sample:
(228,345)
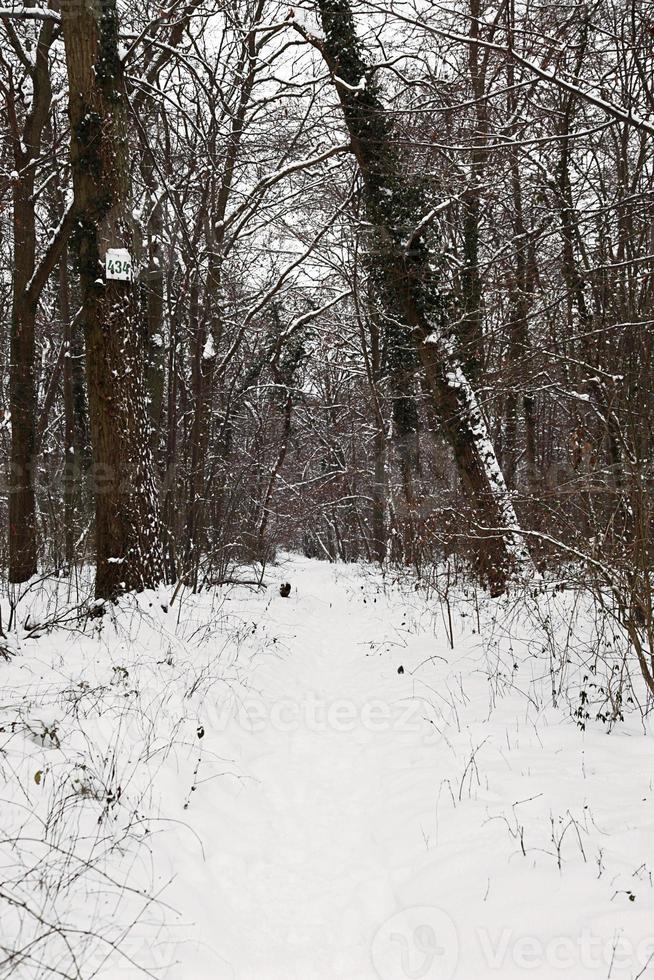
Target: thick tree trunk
(406,277)
(127,525)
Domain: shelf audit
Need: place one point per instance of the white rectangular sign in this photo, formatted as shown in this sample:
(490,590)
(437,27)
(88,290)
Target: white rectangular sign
(118,264)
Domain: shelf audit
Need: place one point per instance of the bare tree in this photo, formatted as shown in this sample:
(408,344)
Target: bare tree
(407,277)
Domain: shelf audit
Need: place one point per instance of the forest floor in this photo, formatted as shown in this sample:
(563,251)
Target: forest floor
(359,782)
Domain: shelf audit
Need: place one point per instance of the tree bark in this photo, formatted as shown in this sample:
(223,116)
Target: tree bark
(127,525)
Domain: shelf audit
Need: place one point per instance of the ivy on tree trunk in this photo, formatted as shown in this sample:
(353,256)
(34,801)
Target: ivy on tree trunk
(404,263)
(127,524)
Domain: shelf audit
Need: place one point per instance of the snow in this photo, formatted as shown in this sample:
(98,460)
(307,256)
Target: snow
(359,87)
(30,13)
(360,781)
(473,420)
(209,350)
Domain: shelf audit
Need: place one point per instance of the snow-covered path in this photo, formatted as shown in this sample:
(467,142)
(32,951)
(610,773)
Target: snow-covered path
(325,740)
(347,784)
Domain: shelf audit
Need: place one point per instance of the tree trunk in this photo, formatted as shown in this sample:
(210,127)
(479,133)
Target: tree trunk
(22,383)
(22,394)
(127,525)
(406,277)
(154,301)
(202,381)
(520,299)
(379,533)
(471,346)
(169,484)
(71,456)
(209,334)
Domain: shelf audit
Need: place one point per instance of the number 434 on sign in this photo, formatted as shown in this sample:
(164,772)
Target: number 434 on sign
(118,264)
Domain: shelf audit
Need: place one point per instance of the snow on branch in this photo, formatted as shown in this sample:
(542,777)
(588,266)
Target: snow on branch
(29,13)
(273,178)
(616,111)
